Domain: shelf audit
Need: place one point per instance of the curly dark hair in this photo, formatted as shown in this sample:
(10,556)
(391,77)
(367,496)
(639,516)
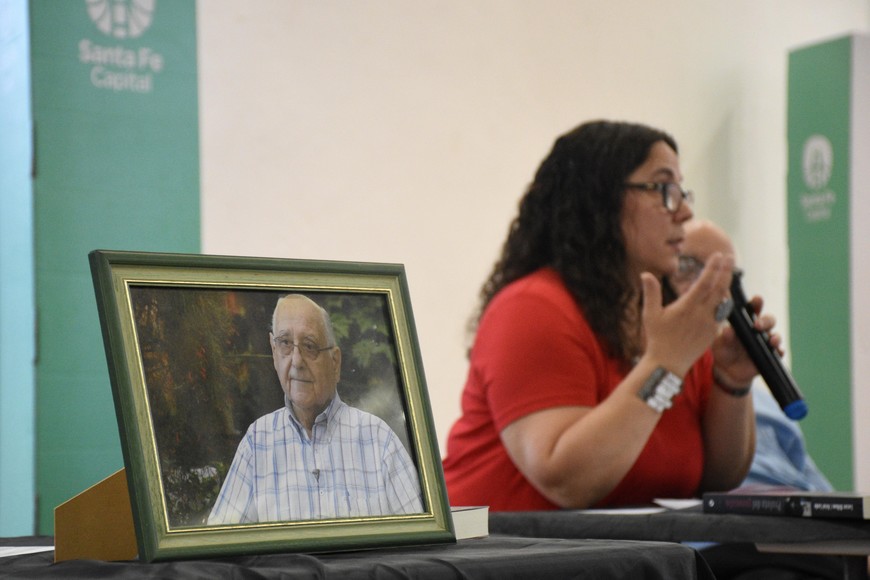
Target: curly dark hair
(569,220)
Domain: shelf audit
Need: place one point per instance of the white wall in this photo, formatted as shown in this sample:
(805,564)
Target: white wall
(395,131)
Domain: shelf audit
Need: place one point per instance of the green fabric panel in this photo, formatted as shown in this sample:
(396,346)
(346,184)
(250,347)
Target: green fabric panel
(819,90)
(117,168)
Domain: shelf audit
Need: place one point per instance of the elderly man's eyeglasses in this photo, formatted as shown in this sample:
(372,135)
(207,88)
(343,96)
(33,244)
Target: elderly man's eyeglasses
(672,194)
(689,268)
(307,348)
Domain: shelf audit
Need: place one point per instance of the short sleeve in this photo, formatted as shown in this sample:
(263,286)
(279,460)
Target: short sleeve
(535,351)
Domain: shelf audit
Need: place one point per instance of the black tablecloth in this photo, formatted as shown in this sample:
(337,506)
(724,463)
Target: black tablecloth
(689,525)
(740,533)
(495,557)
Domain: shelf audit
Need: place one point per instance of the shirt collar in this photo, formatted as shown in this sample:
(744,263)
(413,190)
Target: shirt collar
(325,416)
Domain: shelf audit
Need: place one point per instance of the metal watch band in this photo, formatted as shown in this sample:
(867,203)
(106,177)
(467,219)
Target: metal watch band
(659,390)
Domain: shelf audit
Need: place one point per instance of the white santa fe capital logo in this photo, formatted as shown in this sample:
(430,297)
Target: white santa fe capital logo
(818,161)
(121,18)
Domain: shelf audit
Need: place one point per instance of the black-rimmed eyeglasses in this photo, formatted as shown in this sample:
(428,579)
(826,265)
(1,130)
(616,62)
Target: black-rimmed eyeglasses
(673,194)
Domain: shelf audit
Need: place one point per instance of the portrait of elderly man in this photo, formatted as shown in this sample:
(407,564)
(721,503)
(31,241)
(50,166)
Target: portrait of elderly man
(316,457)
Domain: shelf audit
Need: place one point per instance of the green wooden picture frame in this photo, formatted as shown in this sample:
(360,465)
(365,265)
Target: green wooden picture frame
(189,362)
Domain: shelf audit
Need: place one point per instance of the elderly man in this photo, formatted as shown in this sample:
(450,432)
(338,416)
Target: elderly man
(780,456)
(316,457)
(780,451)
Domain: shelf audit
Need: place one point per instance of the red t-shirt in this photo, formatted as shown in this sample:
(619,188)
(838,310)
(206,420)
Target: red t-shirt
(534,350)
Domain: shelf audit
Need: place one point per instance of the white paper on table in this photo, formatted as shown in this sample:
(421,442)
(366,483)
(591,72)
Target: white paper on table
(626,511)
(677,504)
(19,550)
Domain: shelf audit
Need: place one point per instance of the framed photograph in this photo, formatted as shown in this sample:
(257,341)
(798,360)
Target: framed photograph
(269,405)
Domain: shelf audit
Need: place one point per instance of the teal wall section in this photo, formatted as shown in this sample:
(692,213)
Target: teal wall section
(115,110)
(17,310)
(819,93)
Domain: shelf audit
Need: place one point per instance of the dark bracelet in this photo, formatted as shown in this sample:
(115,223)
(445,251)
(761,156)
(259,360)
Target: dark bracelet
(726,387)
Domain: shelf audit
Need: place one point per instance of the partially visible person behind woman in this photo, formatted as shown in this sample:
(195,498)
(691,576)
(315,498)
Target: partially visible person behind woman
(590,384)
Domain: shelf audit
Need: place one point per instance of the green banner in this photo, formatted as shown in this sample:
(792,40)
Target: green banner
(819,96)
(117,167)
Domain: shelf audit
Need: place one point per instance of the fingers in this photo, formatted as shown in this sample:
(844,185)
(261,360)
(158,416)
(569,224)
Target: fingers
(713,285)
(765,322)
(677,334)
(757,303)
(652,293)
(776,342)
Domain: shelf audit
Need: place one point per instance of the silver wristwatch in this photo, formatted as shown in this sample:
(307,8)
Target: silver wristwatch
(659,390)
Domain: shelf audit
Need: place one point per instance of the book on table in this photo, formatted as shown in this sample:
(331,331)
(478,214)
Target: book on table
(784,501)
(470,521)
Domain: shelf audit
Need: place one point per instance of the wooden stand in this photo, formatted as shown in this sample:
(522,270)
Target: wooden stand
(97,524)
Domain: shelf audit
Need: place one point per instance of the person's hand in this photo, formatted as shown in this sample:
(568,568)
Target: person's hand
(676,335)
(730,358)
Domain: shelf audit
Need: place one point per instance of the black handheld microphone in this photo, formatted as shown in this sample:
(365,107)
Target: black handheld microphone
(765,357)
